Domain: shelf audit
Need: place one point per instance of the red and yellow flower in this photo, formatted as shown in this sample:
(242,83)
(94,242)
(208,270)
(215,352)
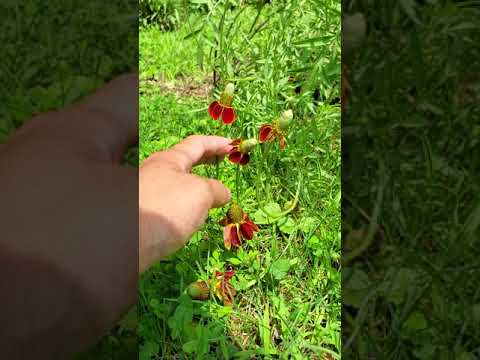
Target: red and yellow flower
(223,289)
(241,148)
(277,129)
(237,225)
(222,108)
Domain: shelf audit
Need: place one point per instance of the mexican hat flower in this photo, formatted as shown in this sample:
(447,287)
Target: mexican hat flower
(277,129)
(223,289)
(237,225)
(241,148)
(222,108)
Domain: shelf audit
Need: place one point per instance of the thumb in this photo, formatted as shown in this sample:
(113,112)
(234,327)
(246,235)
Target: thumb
(220,194)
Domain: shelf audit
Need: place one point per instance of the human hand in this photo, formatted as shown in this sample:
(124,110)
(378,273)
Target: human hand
(173,203)
(68,209)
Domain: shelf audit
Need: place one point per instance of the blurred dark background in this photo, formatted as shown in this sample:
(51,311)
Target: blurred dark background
(410,180)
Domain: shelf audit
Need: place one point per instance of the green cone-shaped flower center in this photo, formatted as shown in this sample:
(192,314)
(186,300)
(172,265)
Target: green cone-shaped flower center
(226,99)
(235,214)
(247,145)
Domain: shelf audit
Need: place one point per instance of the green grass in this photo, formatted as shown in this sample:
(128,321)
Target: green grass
(288,276)
(166,55)
(411,208)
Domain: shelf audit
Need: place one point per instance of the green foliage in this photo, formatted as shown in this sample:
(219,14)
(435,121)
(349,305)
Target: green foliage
(164,13)
(411,151)
(167,15)
(49,61)
(287,277)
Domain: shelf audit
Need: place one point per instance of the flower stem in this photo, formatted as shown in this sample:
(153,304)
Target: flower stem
(237,183)
(266,154)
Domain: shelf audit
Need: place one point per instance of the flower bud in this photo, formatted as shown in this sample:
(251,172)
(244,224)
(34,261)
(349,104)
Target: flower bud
(285,119)
(229,89)
(289,204)
(247,145)
(198,290)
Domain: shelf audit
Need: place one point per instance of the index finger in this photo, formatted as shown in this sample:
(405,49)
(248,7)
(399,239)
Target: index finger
(196,149)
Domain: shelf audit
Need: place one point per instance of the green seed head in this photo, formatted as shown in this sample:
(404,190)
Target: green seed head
(285,119)
(247,145)
(235,214)
(198,290)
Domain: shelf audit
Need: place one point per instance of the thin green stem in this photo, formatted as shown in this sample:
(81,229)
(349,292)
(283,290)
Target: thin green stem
(237,183)
(265,155)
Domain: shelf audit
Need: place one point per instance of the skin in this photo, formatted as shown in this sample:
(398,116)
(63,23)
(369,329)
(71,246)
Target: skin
(74,233)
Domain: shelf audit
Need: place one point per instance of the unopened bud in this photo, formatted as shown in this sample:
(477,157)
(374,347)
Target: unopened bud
(229,89)
(198,290)
(247,145)
(285,119)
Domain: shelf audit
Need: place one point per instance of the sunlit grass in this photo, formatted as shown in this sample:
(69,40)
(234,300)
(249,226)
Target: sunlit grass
(288,276)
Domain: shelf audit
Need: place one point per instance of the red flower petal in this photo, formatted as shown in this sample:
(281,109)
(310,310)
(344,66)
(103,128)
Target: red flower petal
(228,293)
(224,289)
(244,159)
(236,142)
(215,110)
(227,237)
(235,156)
(266,133)
(251,223)
(247,231)
(248,228)
(235,236)
(228,115)
(228,274)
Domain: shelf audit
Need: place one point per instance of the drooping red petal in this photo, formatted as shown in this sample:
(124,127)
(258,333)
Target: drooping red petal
(227,238)
(248,228)
(251,223)
(223,288)
(228,115)
(228,293)
(245,158)
(247,231)
(266,133)
(235,156)
(282,141)
(215,110)
(235,236)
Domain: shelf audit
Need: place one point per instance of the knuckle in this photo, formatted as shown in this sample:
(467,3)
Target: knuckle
(193,138)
